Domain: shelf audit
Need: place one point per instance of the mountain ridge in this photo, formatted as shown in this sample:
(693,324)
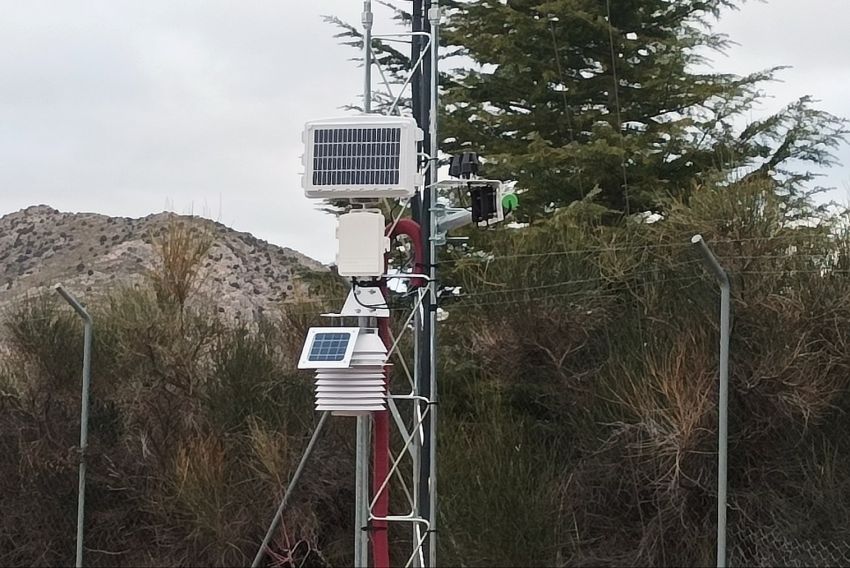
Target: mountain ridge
(91,254)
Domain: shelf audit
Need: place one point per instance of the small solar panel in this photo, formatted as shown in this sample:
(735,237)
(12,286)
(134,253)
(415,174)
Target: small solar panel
(329,347)
(356,156)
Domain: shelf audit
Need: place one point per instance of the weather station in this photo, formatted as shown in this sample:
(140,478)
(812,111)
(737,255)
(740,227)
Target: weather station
(360,162)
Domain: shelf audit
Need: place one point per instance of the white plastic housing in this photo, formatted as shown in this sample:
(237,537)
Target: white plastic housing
(361,243)
(360,388)
(367,156)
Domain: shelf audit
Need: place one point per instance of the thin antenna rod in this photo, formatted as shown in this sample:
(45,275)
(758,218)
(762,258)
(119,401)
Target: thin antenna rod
(362,436)
(367,55)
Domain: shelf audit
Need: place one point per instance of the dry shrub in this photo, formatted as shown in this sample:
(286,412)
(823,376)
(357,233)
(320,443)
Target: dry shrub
(603,341)
(183,406)
(578,405)
(180,248)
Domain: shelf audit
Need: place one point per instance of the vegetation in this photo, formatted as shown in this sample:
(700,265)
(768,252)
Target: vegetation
(578,416)
(565,97)
(578,364)
(196,426)
(588,406)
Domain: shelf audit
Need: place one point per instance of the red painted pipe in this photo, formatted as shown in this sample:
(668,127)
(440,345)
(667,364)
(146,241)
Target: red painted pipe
(381,440)
(410,228)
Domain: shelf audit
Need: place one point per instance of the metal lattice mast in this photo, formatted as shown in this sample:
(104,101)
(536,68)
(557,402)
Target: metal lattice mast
(365,159)
(416,428)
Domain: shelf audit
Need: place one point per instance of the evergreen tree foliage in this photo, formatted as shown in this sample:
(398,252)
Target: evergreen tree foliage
(566,96)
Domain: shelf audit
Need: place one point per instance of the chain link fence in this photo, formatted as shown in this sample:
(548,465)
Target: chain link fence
(760,546)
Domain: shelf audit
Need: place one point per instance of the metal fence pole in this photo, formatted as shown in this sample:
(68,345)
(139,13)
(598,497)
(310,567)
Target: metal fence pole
(723,403)
(289,491)
(84,415)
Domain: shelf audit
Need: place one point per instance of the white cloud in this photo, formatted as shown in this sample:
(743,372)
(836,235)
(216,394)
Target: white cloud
(126,107)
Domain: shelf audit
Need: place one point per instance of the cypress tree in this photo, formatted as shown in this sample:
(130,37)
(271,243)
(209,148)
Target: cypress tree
(566,97)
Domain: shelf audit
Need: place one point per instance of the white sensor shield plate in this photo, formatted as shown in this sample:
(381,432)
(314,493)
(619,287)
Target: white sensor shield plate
(328,348)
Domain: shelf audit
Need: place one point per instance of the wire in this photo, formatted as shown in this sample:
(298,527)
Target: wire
(825,255)
(588,250)
(609,293)
(567,109)
(582,281)
(791,271)
(398,217)
(617,104)
(569,252)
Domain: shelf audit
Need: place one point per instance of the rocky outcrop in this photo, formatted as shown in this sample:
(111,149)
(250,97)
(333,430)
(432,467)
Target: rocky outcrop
(90,253)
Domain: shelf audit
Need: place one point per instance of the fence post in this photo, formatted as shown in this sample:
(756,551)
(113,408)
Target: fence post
(723,402)
(84,414)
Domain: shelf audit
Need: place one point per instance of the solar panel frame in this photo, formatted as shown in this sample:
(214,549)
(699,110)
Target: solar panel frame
(328,348)
(368,156)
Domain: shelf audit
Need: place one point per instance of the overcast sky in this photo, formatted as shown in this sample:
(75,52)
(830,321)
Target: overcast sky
(132,107)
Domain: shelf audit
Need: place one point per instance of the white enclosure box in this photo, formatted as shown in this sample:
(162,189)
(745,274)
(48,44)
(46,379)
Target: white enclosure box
(362,243)
(369,156)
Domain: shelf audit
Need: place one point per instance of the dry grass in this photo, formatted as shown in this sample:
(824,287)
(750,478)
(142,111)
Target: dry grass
(614,372)
(578,405)
(180,249)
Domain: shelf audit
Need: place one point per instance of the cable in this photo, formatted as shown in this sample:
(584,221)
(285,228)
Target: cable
(355,285)
(617,104)
(609,293)
(581,281)
(626,248)
(571,251)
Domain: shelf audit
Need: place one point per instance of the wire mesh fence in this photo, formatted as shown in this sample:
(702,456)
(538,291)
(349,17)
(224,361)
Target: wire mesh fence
(772,546)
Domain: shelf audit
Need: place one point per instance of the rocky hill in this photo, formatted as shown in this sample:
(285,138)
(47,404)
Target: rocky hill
(91,253)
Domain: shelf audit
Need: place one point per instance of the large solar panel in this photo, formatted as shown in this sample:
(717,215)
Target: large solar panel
(369,156)
(329,347)
(356,156)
